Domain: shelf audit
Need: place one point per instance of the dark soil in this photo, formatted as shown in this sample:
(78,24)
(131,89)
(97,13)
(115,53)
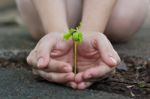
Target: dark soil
(14,64)
(132,77)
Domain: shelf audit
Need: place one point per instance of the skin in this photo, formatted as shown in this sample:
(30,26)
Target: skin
(94,62)
(100,58)
(56,67)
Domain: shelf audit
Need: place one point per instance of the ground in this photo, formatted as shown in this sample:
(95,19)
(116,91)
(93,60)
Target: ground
(131,79)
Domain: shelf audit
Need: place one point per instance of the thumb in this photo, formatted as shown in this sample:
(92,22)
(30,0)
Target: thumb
(43,53)
(108,54)
(42,62)
(109,59)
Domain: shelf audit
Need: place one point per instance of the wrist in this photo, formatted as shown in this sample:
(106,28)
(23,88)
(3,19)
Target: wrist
(57,29)
(92,28)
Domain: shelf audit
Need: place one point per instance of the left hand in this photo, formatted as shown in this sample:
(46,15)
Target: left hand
(96,58)
(52,59)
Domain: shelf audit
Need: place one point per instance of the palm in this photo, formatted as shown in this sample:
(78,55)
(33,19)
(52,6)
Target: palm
(88,54)
(62,51)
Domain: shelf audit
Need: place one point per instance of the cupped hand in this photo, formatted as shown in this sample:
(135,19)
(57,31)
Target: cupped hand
(96,58)
(52,59)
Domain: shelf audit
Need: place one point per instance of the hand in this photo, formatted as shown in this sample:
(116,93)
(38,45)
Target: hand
(96,58)
(52,59)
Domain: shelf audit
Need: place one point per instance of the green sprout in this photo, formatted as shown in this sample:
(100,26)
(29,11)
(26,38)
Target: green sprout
(77,37)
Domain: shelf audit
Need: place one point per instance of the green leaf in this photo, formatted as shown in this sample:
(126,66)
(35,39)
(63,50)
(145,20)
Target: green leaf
(67,35)
(77,36)
(72,30)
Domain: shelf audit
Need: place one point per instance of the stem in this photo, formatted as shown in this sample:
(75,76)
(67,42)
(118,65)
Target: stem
(75,57)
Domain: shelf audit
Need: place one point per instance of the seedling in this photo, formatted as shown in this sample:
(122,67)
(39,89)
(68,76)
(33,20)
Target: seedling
(77,38)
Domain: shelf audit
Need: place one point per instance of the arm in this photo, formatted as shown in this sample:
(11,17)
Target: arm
(52,14)
(96,14)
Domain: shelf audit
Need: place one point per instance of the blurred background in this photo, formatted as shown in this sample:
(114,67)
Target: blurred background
(10,16)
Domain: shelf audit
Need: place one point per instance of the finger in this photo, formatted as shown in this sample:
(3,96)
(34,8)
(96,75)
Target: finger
(43,52)
(79,77)
(96,72)
(107,51)
(57,77)
(84,85)
(100,78)
(58,66)
(72,84)
(31,59)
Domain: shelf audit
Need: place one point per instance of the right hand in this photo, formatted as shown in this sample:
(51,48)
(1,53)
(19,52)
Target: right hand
(52,59)
(96,59)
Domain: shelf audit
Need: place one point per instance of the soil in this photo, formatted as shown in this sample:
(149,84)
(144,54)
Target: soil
(132,77)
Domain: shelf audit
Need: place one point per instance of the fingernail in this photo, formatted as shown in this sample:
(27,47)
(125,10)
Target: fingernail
(40,62)
(113,60)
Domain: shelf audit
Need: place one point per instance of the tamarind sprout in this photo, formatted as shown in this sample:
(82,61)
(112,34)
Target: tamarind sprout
(77,36)
(67,36)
